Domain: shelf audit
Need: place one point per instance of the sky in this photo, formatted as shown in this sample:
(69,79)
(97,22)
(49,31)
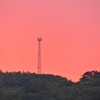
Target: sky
(70,30)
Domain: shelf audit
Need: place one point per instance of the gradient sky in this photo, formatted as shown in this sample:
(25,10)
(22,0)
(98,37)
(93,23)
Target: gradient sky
(70,30)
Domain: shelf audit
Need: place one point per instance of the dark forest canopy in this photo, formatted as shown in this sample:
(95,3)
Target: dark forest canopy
(31,86)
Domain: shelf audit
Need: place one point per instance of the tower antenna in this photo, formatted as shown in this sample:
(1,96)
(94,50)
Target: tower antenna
(39,55)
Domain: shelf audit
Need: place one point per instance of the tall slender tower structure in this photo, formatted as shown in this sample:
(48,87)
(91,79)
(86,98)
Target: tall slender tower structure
(39,55)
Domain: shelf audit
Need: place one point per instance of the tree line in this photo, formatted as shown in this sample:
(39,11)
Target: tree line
(31,86)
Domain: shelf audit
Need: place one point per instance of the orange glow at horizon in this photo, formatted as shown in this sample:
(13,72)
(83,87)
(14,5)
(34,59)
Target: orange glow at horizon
(70,30)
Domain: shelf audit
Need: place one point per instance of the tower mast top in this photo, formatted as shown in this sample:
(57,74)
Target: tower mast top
(39,39)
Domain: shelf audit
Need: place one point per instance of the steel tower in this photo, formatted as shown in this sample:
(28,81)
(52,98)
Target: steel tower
(39,55)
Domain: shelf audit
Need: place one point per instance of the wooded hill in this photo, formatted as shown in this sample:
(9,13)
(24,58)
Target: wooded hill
(31,86)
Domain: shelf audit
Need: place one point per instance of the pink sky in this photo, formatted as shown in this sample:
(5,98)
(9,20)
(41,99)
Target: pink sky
(70,30)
